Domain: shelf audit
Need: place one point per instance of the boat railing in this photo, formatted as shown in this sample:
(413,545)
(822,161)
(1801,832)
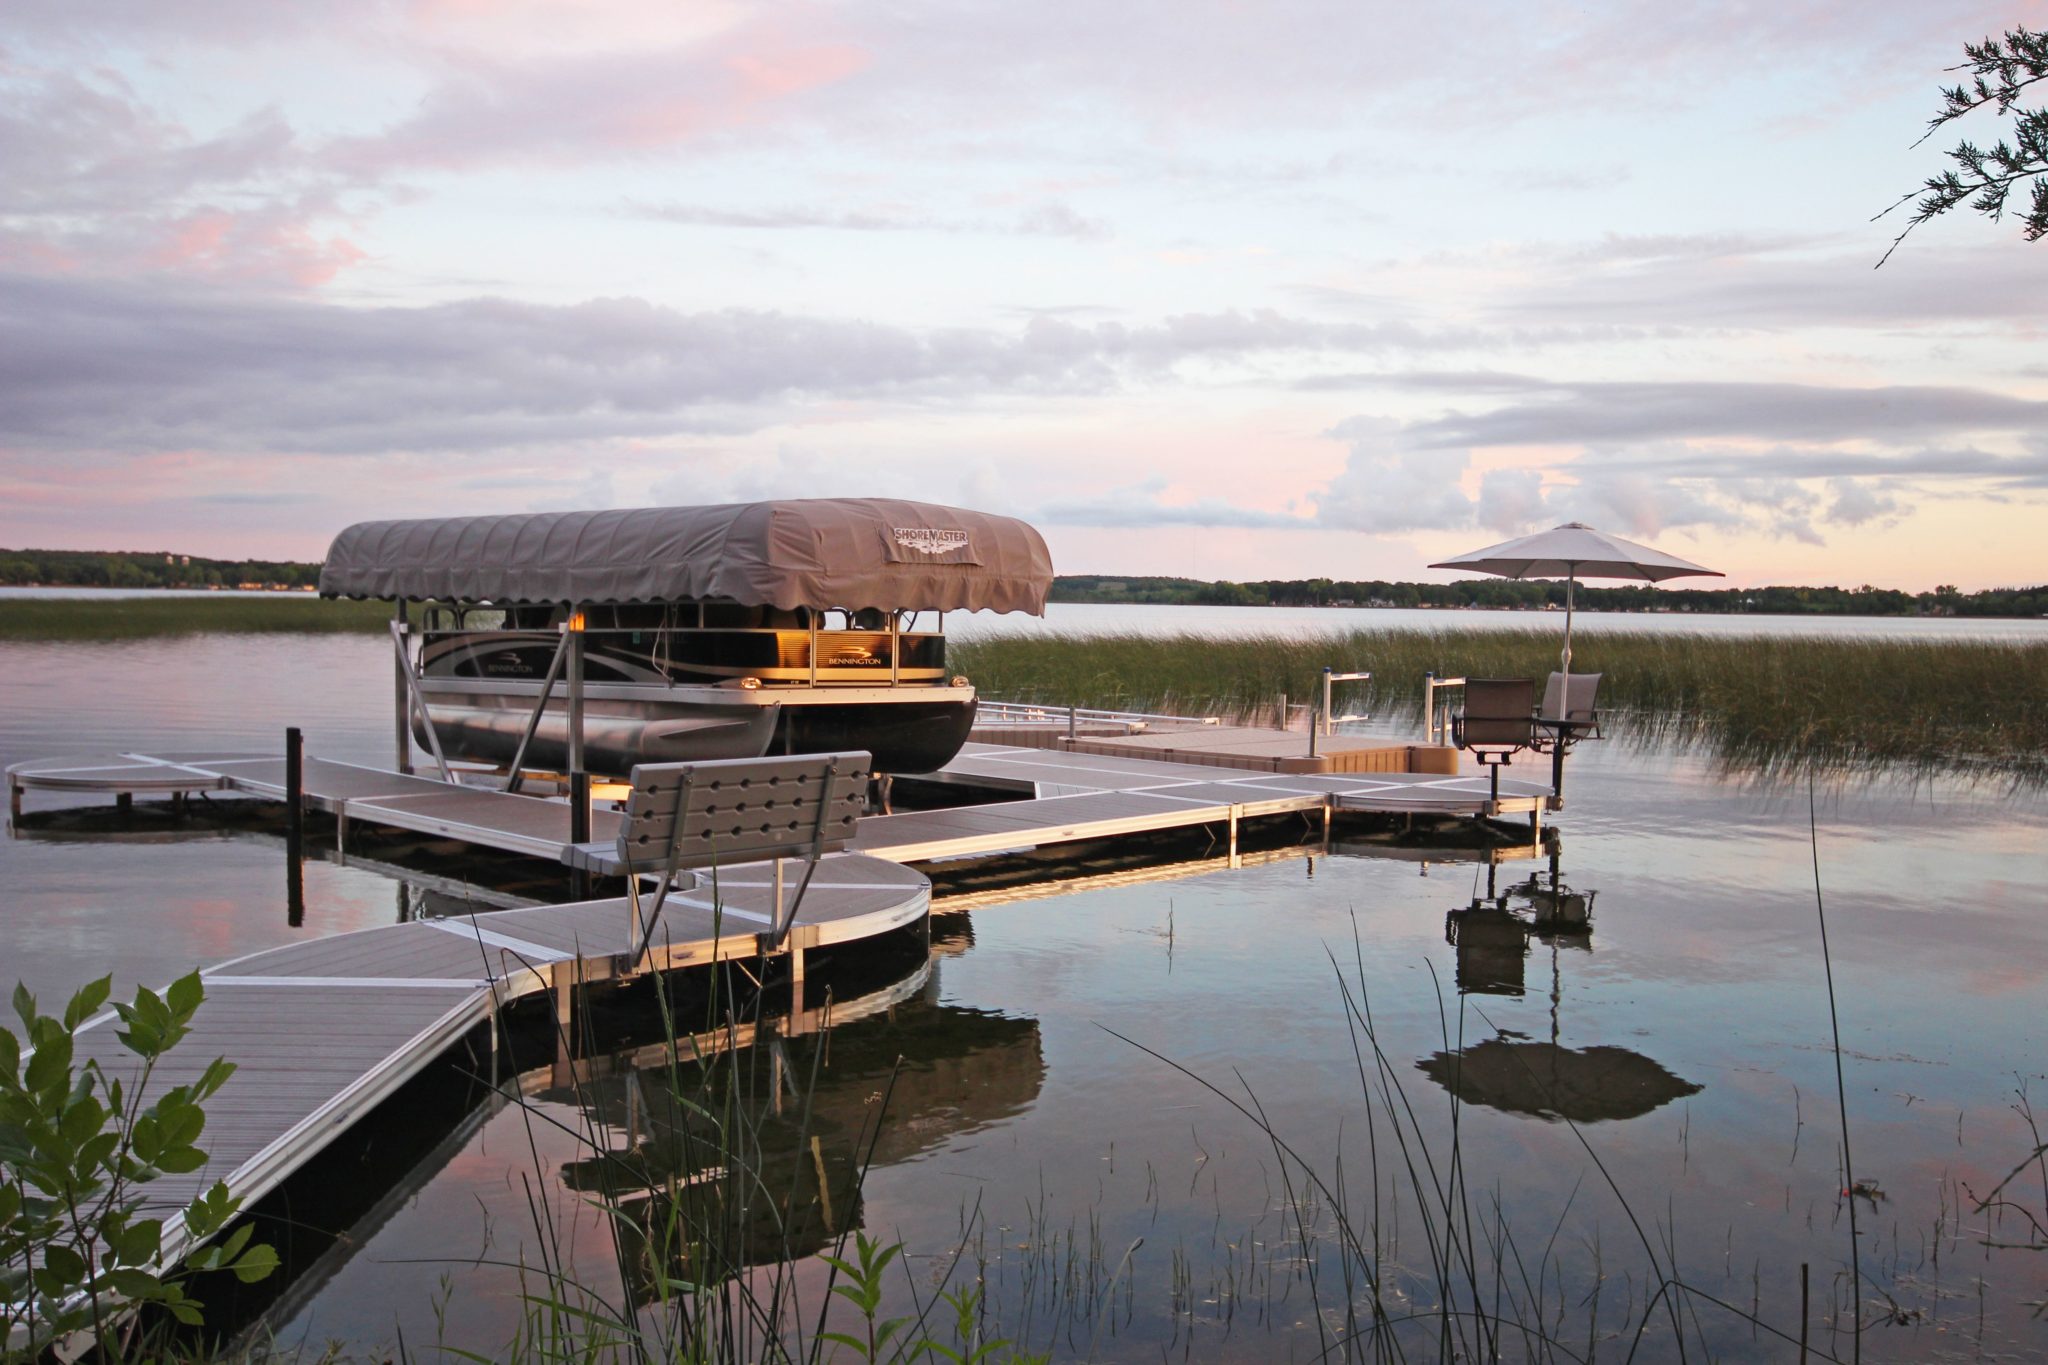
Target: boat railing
(785,654)
(991,711)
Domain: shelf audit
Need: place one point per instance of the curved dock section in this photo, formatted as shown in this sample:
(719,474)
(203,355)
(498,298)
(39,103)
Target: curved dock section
(322,1031)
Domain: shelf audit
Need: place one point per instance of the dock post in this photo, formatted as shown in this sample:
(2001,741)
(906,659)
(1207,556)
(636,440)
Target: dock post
(294,827)
(1557,770)
(1073,723)
(404,698)
(124,802)
(1233,836)
(579,779)
(13,801)
(562,974)
(295,790)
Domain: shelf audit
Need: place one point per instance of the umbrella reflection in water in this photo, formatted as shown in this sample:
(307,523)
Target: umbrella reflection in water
(1519,1075)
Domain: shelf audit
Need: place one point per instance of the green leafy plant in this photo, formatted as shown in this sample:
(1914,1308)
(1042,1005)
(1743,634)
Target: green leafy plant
(864,1292)
(78,1254)
(966,1349)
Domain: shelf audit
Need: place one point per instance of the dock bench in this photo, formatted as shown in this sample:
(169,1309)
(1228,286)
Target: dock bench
(725,811)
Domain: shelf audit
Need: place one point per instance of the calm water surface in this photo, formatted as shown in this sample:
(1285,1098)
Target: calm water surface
(1028,1112)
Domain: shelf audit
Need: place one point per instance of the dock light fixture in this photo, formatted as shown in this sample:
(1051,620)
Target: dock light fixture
(960,680)
(575,621)
(750,684)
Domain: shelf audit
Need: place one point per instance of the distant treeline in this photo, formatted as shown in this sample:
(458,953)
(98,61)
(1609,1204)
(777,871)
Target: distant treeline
(1509,594)
(159,569)
(152,569)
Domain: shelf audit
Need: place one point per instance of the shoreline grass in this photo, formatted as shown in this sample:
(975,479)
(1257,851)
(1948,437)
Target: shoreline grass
(1768,704)
(133,618)
(1773,705)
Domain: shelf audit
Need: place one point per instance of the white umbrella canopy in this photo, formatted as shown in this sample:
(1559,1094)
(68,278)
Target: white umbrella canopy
(1571,552)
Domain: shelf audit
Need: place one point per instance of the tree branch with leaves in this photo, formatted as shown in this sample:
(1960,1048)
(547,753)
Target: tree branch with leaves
(1984,178)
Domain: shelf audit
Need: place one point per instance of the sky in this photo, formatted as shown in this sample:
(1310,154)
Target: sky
(1207,288)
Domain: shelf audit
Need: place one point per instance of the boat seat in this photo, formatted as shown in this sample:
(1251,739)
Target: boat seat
(719,812)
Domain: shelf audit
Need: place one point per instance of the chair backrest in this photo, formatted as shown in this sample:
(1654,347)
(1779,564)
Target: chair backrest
(742,809)
(1499,713)
(1570,696)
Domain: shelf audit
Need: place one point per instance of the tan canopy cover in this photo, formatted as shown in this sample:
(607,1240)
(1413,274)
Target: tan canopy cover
(803,552)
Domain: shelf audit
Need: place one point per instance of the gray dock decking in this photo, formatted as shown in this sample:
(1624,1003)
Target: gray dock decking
(322,1031)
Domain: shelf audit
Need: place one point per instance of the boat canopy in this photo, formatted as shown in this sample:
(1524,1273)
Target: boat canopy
(801,552)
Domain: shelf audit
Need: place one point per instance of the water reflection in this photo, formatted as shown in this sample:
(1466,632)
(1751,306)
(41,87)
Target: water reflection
(1492,936)
(746,1147)
(1585,1085)
(1493,933)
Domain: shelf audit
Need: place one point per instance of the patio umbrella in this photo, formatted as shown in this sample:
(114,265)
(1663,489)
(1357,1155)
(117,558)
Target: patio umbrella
(1571,552)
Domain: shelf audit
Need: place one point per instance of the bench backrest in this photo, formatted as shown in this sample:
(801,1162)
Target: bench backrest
(1498,713)
(1570,696)
(742,809)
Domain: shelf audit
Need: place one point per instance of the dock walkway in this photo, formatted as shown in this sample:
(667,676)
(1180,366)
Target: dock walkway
(1075,796)
(1063,797)
(322,1031)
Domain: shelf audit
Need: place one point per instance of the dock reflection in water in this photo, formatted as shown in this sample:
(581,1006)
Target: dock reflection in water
(1516,1074)
(746,1147)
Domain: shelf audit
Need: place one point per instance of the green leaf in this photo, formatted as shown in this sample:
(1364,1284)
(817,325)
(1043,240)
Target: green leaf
(214,1077)
(83,1118)
(256,1264)
(88,1001)
(184,996)
(232,1247)
(10,1058)
(96,1152)
(131,1283)
(181,1161)
(181,1123)
(842,1339)
(25,1005)
(65,1263)
(139,1242)
(187,1312)
(50,1066)
(146,1138)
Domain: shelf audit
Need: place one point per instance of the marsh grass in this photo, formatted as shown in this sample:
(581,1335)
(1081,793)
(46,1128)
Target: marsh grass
(1776,705)
(130,618)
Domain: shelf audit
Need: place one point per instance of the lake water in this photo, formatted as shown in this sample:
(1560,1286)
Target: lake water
(1108,1201)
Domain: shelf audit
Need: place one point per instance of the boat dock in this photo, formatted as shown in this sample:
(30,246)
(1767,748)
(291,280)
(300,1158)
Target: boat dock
(1062,797)
(322,1031)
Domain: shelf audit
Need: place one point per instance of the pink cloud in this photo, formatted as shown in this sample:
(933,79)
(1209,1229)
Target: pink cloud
(778,75)
(565,109)
(255,248)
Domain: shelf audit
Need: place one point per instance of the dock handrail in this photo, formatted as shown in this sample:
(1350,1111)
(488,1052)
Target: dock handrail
(1437,715)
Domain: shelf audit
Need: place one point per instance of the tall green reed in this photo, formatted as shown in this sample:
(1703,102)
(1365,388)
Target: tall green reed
(1766,704)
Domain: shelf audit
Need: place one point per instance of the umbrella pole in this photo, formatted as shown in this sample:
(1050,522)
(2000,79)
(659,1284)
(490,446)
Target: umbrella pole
(1569,582)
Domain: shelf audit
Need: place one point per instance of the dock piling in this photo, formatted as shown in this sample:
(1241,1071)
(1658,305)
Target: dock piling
(294,789)
(294,826)
(403,685)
